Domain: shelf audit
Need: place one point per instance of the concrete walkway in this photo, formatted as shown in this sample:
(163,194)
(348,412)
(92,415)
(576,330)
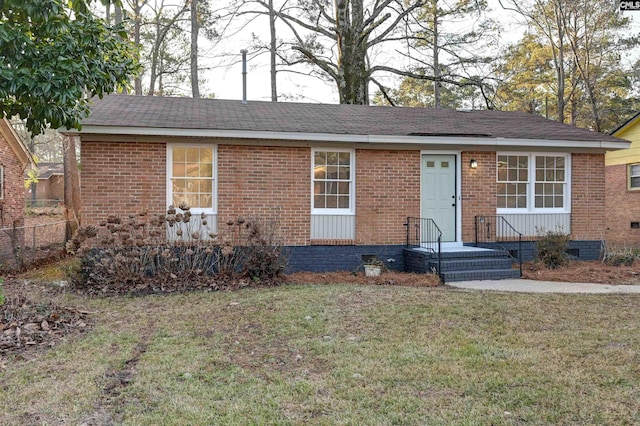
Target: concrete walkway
(531,286)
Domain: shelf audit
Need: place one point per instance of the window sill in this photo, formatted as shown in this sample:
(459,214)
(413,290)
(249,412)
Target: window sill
(332,212)
(333,242)
(539,211)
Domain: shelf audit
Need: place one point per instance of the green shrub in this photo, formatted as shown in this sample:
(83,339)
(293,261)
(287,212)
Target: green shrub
(551,249)
(1,294)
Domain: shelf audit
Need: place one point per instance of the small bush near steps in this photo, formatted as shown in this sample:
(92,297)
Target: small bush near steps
(175,252)
(551,249)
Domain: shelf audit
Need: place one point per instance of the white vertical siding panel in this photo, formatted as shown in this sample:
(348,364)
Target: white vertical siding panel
(333,227)
(535,224)
(195,224)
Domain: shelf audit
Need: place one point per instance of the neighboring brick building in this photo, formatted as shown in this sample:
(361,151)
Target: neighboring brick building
(342,179)
(49,190)
(623,187)
(14,160)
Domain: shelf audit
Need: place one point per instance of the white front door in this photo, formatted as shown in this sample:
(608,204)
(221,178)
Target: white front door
(438,198)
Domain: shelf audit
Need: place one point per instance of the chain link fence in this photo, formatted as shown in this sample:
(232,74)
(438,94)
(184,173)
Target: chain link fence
(24,245)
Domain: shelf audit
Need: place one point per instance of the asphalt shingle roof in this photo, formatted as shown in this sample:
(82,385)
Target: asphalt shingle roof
(215,114)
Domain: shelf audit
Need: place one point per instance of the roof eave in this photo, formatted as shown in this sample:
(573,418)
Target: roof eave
(14,141)
(498,142)
(623,126)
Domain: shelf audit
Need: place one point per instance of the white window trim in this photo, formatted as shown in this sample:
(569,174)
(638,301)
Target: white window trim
(1,182)
(352,187)
(214,196)
(532,181)
(629,176)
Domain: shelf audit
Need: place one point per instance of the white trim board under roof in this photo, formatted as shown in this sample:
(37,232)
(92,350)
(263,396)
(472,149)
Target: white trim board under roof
(368,139)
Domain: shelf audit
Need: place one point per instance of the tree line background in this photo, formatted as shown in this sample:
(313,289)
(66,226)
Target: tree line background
(571,64)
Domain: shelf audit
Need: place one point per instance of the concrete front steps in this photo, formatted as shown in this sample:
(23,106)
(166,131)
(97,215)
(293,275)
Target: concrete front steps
(463,264)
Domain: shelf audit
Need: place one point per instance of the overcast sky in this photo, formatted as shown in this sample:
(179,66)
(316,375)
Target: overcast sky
(225,80)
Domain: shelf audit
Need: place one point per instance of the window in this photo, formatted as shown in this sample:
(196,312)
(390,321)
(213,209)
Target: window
(533,182)
(191,177)
(333,181)
(1,182)
(634,176)
(550,182)
(513,175)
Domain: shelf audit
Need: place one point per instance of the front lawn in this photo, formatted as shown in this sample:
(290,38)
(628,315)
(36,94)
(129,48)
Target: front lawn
(335,354)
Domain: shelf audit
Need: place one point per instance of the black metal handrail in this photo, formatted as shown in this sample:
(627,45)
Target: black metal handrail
(496,229)
(425,233)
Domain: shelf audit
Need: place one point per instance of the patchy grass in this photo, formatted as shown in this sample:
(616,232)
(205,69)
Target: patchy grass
(337,354)
(386,278)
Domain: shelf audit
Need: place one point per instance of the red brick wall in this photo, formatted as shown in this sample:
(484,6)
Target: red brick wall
(387,191)
(13,201)
(268,182)
(125,178)
(622,207)
(587,197)
(478,190)
(122,178)
(12,204)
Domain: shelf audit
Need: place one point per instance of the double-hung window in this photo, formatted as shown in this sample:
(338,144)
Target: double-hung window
(550,182)
(333,181)
(634,176)
(332,195)
(513,180)
(533,182)
(191,177)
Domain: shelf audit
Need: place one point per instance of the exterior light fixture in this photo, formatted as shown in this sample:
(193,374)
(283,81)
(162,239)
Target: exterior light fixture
(473,164)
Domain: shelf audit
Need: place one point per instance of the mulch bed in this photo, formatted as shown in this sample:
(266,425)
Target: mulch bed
(593,271)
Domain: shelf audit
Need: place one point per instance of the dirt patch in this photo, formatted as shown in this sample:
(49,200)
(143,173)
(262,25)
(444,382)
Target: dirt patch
(585,272)
(386,278)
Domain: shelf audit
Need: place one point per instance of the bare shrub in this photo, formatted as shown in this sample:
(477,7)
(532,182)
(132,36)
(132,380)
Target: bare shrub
(175,252)
(551,249)
(619,255)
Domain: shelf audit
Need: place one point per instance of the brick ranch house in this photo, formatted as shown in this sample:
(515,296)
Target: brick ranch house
(343,179)
(623,186)
(15,159)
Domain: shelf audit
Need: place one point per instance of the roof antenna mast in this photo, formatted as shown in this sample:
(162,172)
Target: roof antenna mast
(244,76)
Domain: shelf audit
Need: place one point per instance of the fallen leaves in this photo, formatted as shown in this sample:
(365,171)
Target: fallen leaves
(24,324)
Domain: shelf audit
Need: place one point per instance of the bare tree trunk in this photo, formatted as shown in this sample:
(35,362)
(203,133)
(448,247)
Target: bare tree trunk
(154,61)
(272,52)
(353,77)
(161,34)
(560,68)
(72,205)
(117,15)
(137,19)
(436,62)
(195,27)
(107,12)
